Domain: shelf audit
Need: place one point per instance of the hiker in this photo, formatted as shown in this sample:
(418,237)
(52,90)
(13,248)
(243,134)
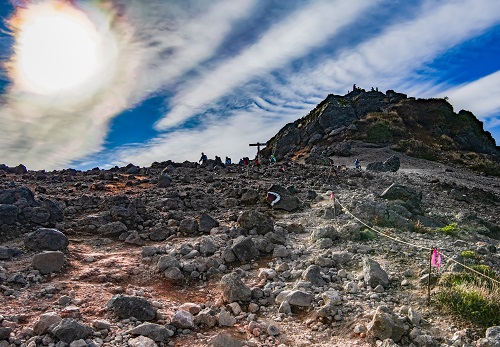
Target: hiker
(241,162)
(218,160)
(357,164)
(228,161)
(272,159)
(246,161)
(203,158)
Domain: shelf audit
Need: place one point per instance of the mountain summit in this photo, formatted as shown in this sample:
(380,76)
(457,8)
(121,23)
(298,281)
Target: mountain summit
(422,128)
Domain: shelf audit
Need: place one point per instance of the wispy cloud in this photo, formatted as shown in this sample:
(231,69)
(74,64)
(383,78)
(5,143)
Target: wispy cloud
(292,38)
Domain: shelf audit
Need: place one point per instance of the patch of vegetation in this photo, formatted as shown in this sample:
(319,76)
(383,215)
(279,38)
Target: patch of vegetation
(449,229)
(380,132)
(471,296)
(468,254)
(417,149)
(367,234)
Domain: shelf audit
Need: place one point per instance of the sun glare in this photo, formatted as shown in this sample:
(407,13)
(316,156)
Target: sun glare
(57,49)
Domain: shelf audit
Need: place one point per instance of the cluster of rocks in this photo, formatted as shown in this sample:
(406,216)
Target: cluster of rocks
(273,262)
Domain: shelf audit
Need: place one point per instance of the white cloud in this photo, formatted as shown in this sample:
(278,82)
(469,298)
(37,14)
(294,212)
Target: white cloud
(479,97)
(388,60)
(295,36)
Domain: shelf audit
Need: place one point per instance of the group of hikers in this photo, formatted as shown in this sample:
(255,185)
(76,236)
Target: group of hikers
(245,161)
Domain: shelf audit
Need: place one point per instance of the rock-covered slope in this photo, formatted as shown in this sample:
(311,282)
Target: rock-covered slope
(179,254)
(423,128)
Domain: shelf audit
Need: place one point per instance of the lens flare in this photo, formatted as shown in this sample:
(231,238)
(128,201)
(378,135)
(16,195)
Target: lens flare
(58,50)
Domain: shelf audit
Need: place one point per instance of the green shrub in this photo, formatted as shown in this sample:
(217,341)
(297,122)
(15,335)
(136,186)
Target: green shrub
(367,234)
(380,132)
(471,296)
(468,254)
(449,229)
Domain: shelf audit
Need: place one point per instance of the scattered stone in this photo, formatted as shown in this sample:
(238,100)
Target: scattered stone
(131,306)
(256,220)
(48,262)
(225,340)
(45,321)
(155,332)
(183,319)
(244,249)
(45,239)
(68,330)
(142,341)
(374,274)
(385,325)
(233,289)
(207,223)
(225,319)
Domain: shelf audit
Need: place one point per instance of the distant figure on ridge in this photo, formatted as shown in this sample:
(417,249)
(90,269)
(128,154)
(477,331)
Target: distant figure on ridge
(272,159)
(357,164)
(203,158)
(228,161)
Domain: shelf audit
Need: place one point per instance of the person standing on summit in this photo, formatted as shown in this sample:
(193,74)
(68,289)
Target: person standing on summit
(203,158)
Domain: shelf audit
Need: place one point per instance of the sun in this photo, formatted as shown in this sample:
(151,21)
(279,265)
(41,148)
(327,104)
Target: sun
(57,49)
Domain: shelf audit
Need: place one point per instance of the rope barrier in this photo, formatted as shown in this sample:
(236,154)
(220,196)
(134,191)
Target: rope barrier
(410,244)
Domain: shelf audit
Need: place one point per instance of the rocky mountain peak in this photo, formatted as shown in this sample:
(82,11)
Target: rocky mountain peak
(422,128)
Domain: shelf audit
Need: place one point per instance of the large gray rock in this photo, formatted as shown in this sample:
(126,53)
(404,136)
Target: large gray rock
(183,319)
(167,261)
(69,329)
(11,196)
(225,340)
(386,325)
(256,220)
(313,275)
(113,229)
(492,338)
(124,306)
(48,262)
(164,181)
(155,332)
(410,196)
(392,164)
(244,248)
(8,214)
(295,298)
(45,239)
(233,288)
(286,202)
(142,341)
(6,253)
(374,274)
(188,226)
(207,246)
(174,275)
(45,321)
(207,223)
(5,333)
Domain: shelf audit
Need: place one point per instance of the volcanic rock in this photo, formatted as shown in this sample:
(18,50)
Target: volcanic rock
(45,239)
(131,306)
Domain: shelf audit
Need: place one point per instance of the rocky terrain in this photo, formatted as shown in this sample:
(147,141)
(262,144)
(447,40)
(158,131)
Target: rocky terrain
(182,254)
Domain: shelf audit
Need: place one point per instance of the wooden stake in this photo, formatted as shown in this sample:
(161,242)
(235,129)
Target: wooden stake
(429,279)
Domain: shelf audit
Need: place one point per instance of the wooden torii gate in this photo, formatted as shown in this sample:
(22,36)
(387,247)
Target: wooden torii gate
(258,144)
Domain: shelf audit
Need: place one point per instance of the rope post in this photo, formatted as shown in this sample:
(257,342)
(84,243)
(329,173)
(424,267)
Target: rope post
(429,279)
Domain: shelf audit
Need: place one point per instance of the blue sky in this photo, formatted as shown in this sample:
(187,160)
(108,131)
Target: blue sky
(175,78)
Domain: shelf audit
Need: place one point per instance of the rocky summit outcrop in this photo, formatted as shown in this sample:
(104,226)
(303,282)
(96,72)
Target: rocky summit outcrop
(423,128)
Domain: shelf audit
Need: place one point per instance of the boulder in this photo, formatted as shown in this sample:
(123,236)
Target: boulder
(183,319)
(124,306)
(207,223)
(285,202)
(392,164)
(374,274)
(225,340)
(6,253)
(11,196)
(233,288)
(45,239)
(69,329)
(45,321)
(164,181)
(207,246)
(141,341)
(295,298)
(188,226)
(400,192)
(386,325)
(313,275)
(256,220)
(155,332)
(174,275)
(167,261)
(48,262)
(113,229)
(8,214)
(244,249)
(5,333)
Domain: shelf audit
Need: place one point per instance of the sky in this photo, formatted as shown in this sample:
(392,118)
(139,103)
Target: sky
(102,83)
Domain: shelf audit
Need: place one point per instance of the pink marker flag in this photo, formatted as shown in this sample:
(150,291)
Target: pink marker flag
(332,196)
(436,259)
